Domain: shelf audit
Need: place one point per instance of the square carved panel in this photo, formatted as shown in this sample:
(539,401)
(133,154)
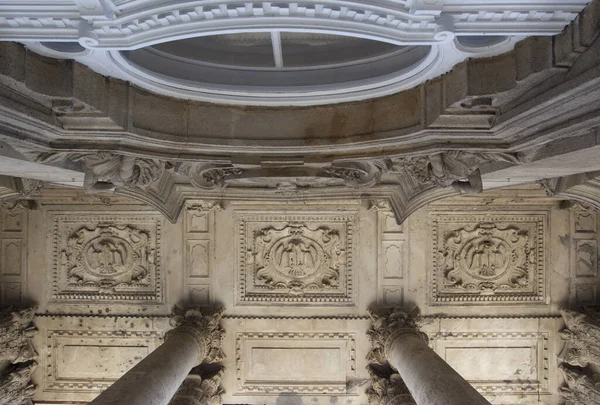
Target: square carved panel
(295,258)
(487,258)
(107,257)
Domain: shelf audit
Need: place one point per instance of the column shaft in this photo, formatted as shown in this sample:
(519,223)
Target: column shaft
(430,380)
(154,380)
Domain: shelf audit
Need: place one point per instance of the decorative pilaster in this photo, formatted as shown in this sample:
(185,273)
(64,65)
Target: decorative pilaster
(196,390)
(196,338)
(395,339)
(15,384)
(582,347)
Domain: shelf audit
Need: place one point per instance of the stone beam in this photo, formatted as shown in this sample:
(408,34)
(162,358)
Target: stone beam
(15,164)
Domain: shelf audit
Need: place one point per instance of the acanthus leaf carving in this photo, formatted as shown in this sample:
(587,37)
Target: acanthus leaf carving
(358,174)
(387,389)
(580,389)
(486,258)
(16,332)
(196,390)
(16,387)
(206,329)
(386,327)
(582,339)
(209,176)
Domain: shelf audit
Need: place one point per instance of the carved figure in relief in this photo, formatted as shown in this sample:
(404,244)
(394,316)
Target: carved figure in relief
(16,332)
(457,169)
(486,257)
(297,258)
(15,384)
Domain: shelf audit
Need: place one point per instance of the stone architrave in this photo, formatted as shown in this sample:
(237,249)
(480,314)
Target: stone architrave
(196,390)
(16,332)
(388,391)
(395,338)
(457,169)
(196,338)
(582,336)
(15,384)
(580,389)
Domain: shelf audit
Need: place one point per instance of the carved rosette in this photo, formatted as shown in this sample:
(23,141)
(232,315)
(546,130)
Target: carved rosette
(386,328)
(16,332)
(204,327)
(106,257)
(16,387)
(387,390)
(196,390)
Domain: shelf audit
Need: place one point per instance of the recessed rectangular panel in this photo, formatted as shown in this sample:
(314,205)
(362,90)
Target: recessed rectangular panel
(493,363)
(98,362)
(296,364)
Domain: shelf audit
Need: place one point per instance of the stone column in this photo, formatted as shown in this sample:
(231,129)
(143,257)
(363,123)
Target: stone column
(396,339)
(153,381)
(196,390)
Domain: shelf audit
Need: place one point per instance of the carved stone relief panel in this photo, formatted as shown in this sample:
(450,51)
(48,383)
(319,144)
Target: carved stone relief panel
(584,257)
(13,255)
(107,257)
(295,258)
(488,258)
(82,356)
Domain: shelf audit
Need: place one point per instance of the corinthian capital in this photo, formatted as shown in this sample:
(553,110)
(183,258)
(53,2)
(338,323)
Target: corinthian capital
(386,328)
(16,332)
(204,327)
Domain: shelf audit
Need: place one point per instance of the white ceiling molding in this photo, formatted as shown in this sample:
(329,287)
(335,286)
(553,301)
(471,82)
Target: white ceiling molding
(98,32)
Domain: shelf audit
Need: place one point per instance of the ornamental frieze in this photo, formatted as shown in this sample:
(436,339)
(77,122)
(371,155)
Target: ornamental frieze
(107,258)
(488,258)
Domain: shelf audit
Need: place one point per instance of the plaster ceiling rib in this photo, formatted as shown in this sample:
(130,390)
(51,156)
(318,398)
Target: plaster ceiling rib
(277,51)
